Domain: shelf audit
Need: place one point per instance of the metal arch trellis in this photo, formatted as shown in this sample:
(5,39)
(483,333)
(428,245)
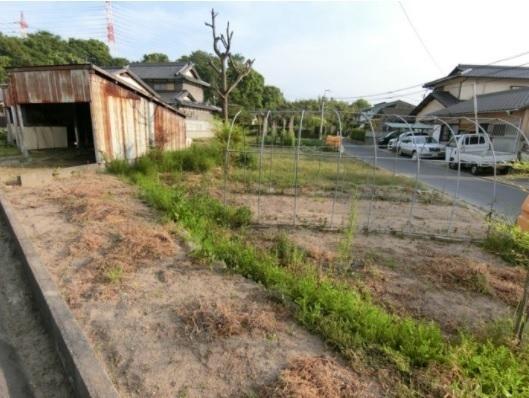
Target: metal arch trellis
(266,149)
(338,162)
(296,161)
(458,179)
(480,128)
(261,151)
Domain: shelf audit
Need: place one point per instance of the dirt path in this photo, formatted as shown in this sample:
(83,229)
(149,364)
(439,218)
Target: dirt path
(29,365)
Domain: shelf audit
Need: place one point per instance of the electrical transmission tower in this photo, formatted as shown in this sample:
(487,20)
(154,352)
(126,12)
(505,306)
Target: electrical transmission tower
(23,25)
(111,38)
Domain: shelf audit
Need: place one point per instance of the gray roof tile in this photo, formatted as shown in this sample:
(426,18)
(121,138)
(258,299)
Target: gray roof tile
(501,101)
(483,71)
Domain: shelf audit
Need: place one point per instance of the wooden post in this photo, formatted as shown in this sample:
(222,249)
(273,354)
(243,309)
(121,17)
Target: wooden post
(20,130)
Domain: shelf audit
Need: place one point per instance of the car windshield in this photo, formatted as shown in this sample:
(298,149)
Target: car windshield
(424,140)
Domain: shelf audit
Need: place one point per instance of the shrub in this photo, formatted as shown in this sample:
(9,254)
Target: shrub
(311,142)
(288,139)
(521,167)
(246,159)
(357,134)
(222,132)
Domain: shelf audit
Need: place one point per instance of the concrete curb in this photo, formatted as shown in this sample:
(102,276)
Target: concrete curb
(87,376)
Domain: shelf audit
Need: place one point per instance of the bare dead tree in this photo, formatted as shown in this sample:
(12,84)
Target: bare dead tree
(222,49)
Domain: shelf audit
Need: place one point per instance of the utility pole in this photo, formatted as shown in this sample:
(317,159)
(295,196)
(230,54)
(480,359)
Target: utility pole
(322,111)
(476,108)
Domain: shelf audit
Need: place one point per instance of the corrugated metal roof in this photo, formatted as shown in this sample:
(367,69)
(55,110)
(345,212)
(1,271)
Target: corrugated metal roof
(67,89)
(502,101)
(483,71)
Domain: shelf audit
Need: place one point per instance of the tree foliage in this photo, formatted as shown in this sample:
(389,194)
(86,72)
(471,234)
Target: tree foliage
(155,58)
(44,48)
(251,93)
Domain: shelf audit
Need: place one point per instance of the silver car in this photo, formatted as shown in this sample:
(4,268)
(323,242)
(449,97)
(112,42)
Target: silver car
(423,146)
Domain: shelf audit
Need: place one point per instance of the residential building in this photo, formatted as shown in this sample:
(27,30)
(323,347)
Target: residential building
(180,85)
(501,103)
(387,109)
(465,80)
(103,115)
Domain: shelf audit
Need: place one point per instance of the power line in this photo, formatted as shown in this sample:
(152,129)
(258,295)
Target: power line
(419,37)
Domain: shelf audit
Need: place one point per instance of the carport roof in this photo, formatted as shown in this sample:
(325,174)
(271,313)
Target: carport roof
(502,101)
(409,125)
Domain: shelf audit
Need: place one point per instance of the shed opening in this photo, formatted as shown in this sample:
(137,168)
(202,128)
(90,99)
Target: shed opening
(65,126)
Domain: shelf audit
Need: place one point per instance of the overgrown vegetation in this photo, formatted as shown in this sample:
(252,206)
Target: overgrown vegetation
(509,242)
(357,134)
(6,149)
(521,168)
(345,318)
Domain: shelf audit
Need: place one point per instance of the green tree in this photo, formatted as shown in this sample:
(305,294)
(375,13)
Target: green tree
(273,98)
(251,93)
(155,58)
(44,48)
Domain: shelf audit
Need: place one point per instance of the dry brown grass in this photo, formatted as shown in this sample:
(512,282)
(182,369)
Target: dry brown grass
(210,320)
(317,377)
(114,232)
(502,282)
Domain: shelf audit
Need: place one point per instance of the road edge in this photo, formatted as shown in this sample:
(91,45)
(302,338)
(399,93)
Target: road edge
(86,374)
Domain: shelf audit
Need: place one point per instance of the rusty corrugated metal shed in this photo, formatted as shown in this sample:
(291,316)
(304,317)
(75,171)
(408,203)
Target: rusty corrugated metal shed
(127,120)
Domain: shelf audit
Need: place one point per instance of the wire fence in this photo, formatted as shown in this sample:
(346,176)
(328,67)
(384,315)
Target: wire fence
(412,176)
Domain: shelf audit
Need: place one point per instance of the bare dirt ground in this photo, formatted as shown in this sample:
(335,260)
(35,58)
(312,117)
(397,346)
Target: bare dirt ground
(381,215)
(163,324)
(457,285)
(29,365)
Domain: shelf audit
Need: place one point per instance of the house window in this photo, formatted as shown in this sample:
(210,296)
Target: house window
(164,86)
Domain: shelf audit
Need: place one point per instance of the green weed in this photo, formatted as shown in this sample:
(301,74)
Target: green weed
(509,242)
(114,274)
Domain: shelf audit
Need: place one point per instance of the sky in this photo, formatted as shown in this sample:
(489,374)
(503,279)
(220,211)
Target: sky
(353,49)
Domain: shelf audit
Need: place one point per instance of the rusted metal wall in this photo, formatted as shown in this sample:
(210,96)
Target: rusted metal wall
(125,124)
(48,86)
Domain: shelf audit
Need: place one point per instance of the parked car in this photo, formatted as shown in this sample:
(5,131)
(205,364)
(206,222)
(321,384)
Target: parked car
(383,142)
(405,135)
(392,144)
(474,152)
(421,146)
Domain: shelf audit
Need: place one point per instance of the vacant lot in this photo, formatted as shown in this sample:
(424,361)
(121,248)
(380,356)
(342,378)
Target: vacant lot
(163,294)
(163,323)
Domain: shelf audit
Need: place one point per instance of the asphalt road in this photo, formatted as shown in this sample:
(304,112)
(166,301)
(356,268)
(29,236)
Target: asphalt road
(477,191)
